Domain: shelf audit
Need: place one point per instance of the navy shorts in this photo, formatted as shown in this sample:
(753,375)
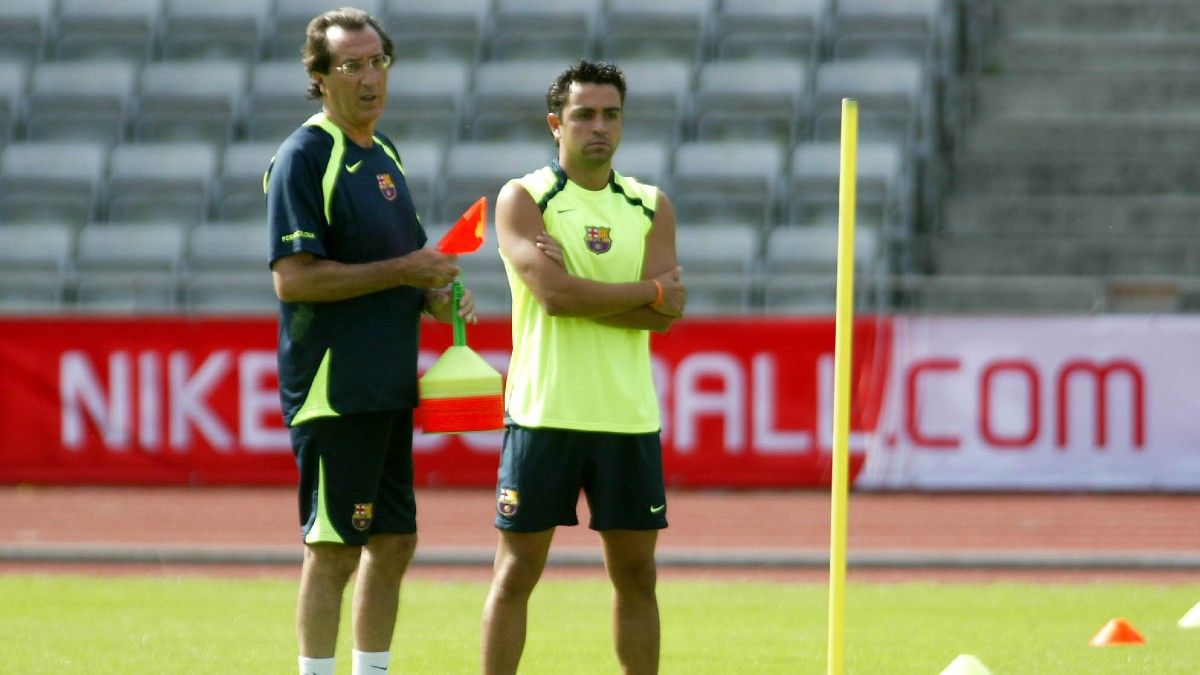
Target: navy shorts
(543,470)
(356,477)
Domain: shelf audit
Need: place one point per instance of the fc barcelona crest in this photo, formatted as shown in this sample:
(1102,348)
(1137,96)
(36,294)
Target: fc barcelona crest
(386,186)
(597,239)
(361,519)
(507,502)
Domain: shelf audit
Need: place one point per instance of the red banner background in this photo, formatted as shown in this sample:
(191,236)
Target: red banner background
(746,402)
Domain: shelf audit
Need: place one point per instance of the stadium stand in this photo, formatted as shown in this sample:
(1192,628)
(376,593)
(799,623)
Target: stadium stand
(81,100)
(26,27)
(434,95)
(73,172)
(446,29)
(128,267)
(1073,190)
(170,111)
(35,260)
(190,100)
(561,31)
(216,28)
(224,269)
(770,28)
(126,29)
(161,182)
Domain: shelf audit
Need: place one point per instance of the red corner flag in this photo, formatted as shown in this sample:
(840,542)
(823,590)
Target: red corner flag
(467,234)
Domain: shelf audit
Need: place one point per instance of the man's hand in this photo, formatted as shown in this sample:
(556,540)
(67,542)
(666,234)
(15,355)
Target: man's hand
(674,294)
(550,246)
(428,268)
(437,304)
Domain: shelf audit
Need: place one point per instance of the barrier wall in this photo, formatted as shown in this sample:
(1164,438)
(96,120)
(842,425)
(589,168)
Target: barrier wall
(1102,403)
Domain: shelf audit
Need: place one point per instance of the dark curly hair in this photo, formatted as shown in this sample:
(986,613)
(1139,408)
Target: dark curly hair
(590,72)
(316,54)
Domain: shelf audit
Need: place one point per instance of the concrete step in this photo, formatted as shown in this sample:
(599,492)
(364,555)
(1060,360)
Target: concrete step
(1153,16)
(1065,131)
(1005,294)
(1078,53)
(1144,216)
(1126,93)
(1053,173)
(1112,256)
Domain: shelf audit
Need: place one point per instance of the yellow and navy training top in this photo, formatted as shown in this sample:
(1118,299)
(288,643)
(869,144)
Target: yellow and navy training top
(572,372)
(337,200)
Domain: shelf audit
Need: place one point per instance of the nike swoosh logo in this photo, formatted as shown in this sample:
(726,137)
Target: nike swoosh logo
(563,210)
(351,168)
(657,509)
(380,667)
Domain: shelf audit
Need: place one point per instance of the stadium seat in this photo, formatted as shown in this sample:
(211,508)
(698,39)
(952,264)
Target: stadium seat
(14,78)
(51,181)
(509,101)
(812,190)
(161,182)
(190,100)
(814,249)
(446,29)
(717,260)
(291,17)
(239,194)
(660,29)
(227,269)
(110,29)
(426,100)
(753,99)
(656,99)
(87,100)
(647,161)
(892,94)
(562,31)
(214,28)
(128,267)
(886,28)
(770,28)
(423,162)
(25,27)
(277,103)
(474,170)
(34,261)
(728,181)
(800,268)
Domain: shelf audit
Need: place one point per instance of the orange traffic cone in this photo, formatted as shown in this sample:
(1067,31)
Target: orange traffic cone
(1117,632)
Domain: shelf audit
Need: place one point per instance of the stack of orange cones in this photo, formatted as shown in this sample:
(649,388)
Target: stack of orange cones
(1117,632)
(461,392)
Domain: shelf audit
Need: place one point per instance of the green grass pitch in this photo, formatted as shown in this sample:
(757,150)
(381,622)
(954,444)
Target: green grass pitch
(103,625)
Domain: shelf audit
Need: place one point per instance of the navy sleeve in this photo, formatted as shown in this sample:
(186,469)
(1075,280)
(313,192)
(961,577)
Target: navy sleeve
(295,204)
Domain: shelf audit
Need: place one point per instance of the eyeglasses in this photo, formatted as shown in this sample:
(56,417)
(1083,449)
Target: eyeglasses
(378,63)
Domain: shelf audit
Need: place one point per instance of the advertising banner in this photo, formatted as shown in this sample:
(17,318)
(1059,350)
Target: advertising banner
(746,402)
(1086,403)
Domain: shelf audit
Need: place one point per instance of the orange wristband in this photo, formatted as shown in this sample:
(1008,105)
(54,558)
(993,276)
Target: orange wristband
(658,293)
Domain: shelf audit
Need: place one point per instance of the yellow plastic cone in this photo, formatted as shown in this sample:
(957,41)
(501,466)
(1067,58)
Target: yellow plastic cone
(966,664)
(1192,618)
(1117,632)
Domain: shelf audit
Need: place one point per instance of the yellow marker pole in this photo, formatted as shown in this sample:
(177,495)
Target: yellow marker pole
(843,331)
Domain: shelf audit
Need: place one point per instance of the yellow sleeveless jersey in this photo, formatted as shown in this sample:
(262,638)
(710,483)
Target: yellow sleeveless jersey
(575,373)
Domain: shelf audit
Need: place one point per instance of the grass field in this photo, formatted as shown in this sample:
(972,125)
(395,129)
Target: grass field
(133,625)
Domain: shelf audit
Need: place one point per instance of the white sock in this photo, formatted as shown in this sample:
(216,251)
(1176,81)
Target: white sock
(316,666)
(370,663)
